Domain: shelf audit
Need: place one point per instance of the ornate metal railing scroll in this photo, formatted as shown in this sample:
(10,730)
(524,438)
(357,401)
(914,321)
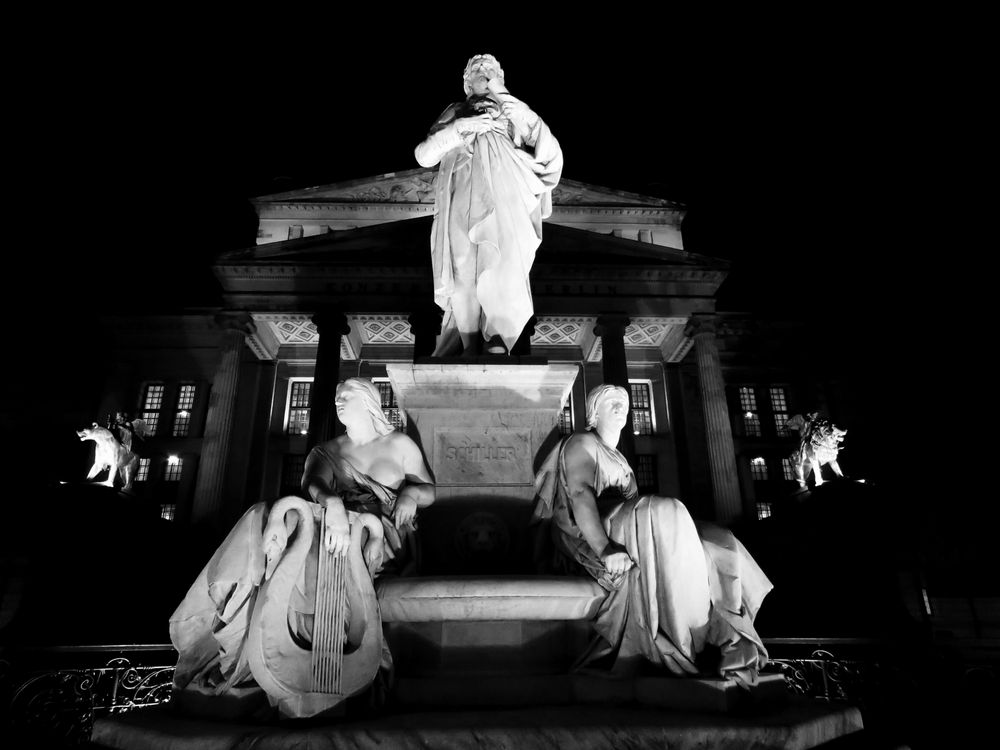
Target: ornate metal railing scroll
(822,675)
(60,704)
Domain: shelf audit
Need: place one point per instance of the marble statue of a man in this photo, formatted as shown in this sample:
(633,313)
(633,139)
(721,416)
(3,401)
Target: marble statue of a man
(499,164)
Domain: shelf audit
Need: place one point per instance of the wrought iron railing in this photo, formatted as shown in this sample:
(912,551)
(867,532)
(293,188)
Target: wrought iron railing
(56,694)
(812,669)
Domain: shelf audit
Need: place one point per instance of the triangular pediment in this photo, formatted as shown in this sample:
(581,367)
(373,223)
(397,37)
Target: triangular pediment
(407,242)
(416,186)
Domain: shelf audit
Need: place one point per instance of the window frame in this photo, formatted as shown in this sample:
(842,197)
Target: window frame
(288,405)
(648,382)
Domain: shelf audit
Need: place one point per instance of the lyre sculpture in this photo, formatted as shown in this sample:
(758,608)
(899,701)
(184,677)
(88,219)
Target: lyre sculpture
(346,632)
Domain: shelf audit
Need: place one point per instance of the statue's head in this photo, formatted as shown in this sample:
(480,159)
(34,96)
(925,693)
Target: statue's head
(478,72)
(357,399)
(607,402)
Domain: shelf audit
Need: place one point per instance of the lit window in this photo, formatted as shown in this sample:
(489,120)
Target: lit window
(763,510)
(748,407)
(389,406)
(292,468)
(641,392)
(143,472)
(758,468)
(152,403)
(172,469)
(645,474)
(787,470)
(299,400)
(185,403)
(566,417)
(167,512)
(779,405)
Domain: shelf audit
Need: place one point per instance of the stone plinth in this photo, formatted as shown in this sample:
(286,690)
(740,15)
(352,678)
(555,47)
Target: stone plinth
(482,426)
(796,724)
(484,429)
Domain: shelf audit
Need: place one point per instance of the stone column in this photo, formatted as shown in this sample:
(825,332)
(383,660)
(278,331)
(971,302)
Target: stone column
(425,324)
(208,497)
(611,328)
(331,325)
(718,428)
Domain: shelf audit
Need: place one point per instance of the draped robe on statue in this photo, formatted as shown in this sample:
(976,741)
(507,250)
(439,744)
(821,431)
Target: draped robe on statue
(691,585)
(209,627)
(492,192)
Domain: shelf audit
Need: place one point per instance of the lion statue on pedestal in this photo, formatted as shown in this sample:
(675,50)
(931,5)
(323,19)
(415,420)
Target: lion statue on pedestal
(819,445)
(113,454)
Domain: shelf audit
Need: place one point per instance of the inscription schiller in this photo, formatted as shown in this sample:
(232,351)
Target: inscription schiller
(485,457)
(481,452)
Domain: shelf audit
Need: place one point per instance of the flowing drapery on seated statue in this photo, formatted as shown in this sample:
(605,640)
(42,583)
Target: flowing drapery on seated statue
(286,606)
(674,588)
(819,445)
(499,164)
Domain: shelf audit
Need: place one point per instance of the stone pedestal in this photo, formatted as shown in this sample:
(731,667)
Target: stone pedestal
(484,429)
(482,426)
(798,724)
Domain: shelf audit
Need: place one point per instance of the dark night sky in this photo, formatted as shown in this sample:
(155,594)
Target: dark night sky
(782,154)
(786,149)
(794,146)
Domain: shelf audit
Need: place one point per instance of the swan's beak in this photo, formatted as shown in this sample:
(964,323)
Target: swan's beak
(271,564)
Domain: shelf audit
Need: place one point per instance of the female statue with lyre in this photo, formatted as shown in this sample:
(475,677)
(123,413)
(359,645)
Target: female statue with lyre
(286,607)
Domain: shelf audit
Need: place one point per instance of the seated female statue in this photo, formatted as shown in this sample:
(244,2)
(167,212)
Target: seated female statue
(245,630)
(674,588)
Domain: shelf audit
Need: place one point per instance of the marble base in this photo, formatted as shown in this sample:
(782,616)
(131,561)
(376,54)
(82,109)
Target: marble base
(799,724)
(708,696)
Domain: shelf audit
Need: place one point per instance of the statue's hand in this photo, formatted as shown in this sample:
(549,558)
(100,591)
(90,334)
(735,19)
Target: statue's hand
(337,532)
(479,124)
(406,511)
(616,560)
(515,109)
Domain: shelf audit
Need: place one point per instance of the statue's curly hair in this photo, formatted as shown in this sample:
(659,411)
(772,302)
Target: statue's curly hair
(373,403)
(597,396)
(478,61)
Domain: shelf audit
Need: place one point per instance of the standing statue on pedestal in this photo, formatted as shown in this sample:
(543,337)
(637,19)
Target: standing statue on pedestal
(286,605)
(819,444)
(499,164)
(674,588)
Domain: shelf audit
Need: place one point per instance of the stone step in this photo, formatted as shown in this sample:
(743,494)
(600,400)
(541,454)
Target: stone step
(799,724)
(704,695)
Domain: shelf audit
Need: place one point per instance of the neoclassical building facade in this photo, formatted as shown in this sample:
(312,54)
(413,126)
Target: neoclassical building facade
(339,285)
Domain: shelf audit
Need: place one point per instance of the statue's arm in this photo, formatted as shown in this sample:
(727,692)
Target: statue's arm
(444,136)
(580,459)
(581,466)
(418,488)
(320,485)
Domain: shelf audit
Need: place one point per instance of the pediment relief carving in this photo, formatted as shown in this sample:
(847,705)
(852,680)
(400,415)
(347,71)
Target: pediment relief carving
(417,186)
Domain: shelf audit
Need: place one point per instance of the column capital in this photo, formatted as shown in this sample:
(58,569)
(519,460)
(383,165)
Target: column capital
(236,320)
(611,324)
(330,320)
(702,324)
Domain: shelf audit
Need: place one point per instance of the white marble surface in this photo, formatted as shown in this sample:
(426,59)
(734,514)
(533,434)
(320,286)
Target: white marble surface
(797,725)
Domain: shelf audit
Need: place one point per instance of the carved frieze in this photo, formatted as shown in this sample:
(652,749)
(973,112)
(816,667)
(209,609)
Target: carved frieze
(560,331)
(384,329)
